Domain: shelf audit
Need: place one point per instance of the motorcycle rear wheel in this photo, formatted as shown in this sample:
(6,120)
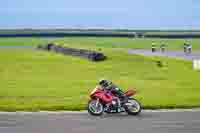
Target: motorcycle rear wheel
(133,107)
(95,110)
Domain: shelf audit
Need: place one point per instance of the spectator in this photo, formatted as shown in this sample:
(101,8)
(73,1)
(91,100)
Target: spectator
(189,47)
(162,47)
(185,47)
(153,47)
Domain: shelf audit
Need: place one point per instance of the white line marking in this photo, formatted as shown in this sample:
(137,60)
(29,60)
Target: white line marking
(85,112)
(174,110)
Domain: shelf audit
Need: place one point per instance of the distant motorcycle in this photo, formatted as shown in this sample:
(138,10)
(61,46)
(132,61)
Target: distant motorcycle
(105,101)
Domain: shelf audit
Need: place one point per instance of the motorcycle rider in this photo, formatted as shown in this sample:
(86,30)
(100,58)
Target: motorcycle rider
(108,85)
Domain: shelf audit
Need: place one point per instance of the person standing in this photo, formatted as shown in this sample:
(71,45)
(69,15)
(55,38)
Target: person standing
(189,48)
(185,47)
(153,47)
(162,47)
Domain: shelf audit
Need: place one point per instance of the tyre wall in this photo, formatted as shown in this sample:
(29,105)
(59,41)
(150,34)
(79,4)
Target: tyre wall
(88,54)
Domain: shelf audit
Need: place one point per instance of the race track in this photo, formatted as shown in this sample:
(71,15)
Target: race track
(147,122)
(173,54)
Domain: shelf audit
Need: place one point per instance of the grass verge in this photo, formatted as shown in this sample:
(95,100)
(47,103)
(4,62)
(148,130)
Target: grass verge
(35,80)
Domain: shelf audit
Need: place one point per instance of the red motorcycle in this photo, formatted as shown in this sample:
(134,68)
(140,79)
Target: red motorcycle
(105,101)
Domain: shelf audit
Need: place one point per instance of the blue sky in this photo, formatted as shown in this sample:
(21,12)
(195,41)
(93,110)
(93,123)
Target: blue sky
(133,14)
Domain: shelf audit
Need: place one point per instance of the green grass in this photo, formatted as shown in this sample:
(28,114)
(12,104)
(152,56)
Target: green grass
(37,80)
(26,41)
(173,44)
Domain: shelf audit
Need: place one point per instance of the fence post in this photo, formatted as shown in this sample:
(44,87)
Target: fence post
(196,64)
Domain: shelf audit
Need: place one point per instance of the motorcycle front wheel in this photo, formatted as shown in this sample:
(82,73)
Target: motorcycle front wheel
(133,107)
(95,107)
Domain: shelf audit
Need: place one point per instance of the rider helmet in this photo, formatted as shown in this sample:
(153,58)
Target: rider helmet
(105,83)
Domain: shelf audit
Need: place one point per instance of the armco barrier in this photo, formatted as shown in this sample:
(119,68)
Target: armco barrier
(89,54)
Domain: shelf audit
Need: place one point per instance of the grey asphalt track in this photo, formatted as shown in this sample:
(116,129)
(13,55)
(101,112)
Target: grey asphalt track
(146,122)
(173,54)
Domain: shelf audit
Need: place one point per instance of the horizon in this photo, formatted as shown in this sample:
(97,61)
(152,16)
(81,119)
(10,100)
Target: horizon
(106,29)
(103,29)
